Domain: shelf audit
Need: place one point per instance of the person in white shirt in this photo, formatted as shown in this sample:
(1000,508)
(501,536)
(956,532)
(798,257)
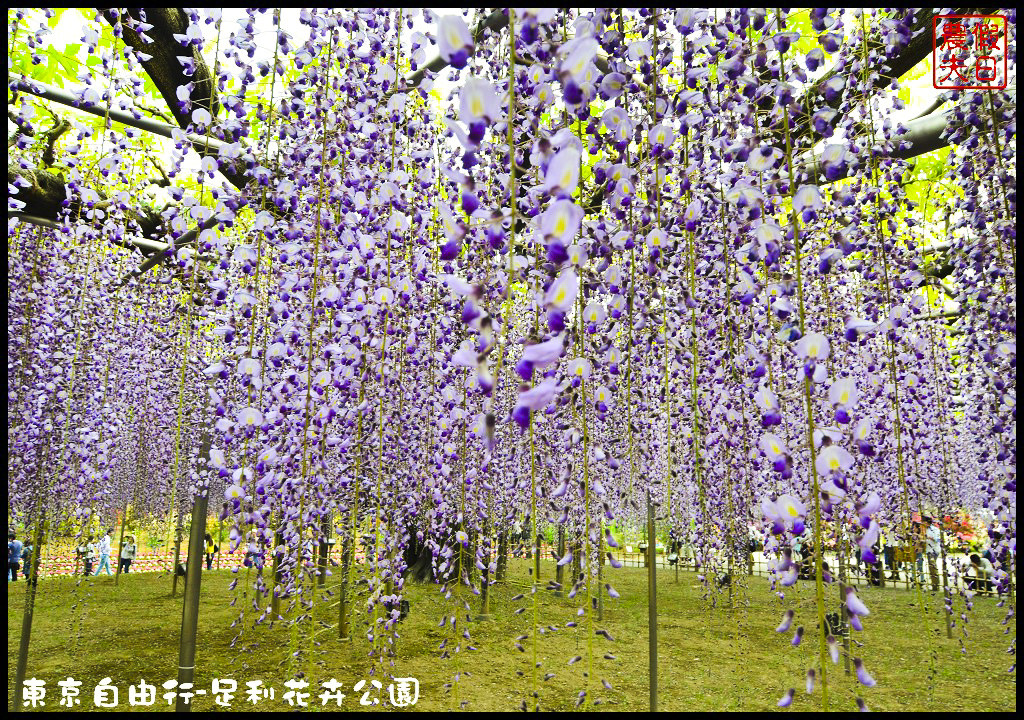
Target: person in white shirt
(933,547)
(87,550)
(983,573)
(252,553)
(104,553)
(127,553)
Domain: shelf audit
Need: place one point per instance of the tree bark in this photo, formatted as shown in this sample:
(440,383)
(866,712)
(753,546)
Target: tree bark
(167,72)
(917,49)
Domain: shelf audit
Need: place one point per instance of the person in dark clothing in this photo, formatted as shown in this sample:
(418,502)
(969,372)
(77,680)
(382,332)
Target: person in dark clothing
(87,552)
(14,550)
(26,560)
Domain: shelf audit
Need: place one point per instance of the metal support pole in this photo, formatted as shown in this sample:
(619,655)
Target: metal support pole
(190,611)
(600,569)
(560,569)
(30,595)
(178,532)
(325,529)
(343,602)
(275,600)
(120,544)
(536,559)
(220,534)
(652,608)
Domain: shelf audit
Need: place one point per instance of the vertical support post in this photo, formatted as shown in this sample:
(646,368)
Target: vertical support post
(560,569)
(945,579)
(536,559)
(325,530)
(220,533)
(652,608)
(190,610)
(120,544)
(30,593)
(178,532)
(343,603)
(502,557)
(275,601)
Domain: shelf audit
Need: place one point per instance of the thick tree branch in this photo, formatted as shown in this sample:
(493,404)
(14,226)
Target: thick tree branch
(46,194)
(923,136)
(917,49)
(495,21)
(23,127)
(167,73)
(51,136)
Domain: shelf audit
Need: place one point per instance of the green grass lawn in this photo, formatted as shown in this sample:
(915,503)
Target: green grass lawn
(711,657)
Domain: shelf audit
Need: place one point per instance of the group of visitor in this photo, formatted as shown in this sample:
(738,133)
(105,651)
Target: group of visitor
(926,543)
(18,555)
(926,536)
(88,550)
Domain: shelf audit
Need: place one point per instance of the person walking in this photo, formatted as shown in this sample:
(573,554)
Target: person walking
(933,547)
(252,553)
(84,553)
(127,554)
(919,543)
(104,549)
(890,546)
(26,560)
(14,550)
(209,552)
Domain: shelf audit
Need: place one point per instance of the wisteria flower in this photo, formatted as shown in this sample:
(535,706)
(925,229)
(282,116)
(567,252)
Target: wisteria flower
(807,201)
(478,102)
(532,400)
(561,178)
(831,459)
(862,674)
(562,293)
(776,450)
(860,436)
(454,41)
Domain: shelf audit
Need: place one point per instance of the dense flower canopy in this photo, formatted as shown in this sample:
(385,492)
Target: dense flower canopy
(415,279)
